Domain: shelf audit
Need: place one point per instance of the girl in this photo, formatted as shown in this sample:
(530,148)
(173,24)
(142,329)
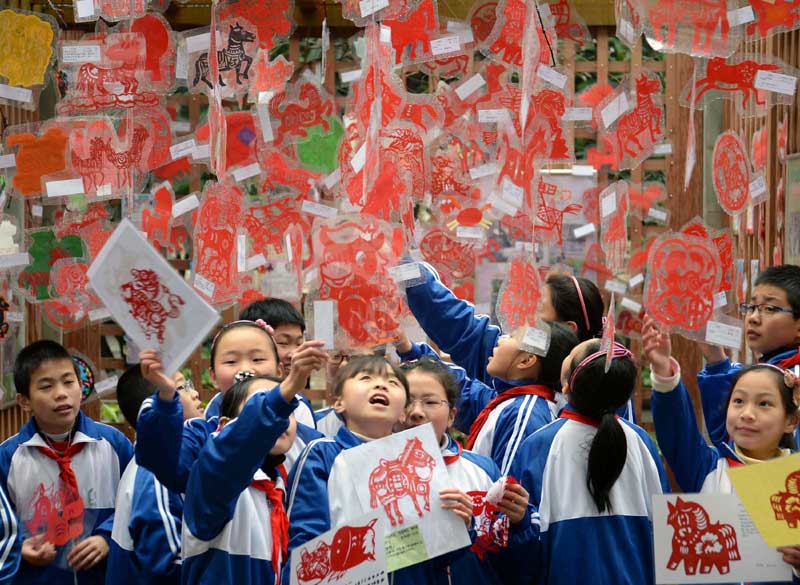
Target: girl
(236,530)
(591,478)
(761,417)
(575,301)
(433,393)
(371,394)
(164,444)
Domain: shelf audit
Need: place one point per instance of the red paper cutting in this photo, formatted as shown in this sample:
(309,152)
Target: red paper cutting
(551,218)
(731,170)
(638,131)
(351,546)
(708,20)
(482,19)
(284,172)
(508,41)
(269,75)
(491,527)
(151,302)
(615,232)
(92,226)
(240,138)
(697,541)
(233,58)
(569,25)
(70,302)
(451,258)
(37,157)
(737,76)
(786,504)
(774,16)
(519,299)
(296,117)
(157,222)
(272,20)
(267,224)
(160,50)
(758,149)
(57,513)
(417,29)
(595,261)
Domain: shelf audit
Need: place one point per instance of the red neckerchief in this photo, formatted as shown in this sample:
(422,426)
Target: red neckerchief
(791,361)
(513,392)
(453,457)
(72,503)
(733,462)
(279,522)
(581,418)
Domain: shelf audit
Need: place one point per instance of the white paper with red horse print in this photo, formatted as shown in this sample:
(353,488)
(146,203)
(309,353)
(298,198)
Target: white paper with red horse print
(148,298)
(710,538)
(400,477)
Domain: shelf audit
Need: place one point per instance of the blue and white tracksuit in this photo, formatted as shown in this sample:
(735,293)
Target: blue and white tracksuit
(568,541)
(227,534)
(321,498)
(698,467)
(304,413)
(716,381)
(10,541)
(145,543)
(168,446)
(328,421)
(28,476)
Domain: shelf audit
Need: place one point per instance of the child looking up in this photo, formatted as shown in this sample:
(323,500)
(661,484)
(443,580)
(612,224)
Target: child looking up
(591,477)
(772,328)
(61,460)
(760,416)
(145,540)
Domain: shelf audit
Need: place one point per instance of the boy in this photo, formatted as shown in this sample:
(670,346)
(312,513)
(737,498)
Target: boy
(145,540)
(772,328)
(61,472)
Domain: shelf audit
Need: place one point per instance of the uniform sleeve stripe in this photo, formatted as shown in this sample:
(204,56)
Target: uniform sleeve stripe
(9,520)
(523,413)
(162,499)
(299,469)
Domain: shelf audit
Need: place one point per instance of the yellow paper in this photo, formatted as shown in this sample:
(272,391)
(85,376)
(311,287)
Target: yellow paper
(404,548)
(771,494)
(25,48)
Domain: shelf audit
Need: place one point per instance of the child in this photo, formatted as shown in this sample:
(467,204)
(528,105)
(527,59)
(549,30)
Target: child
(772,327)
(433,395)
(591,478)
(372,396)
(145,540)
(61,472)
(761,414)
(523,400)
(235,528)
(164,444)
(289,329)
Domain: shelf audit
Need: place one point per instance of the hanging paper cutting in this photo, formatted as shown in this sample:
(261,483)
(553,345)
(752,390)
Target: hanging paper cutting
(93,226)
(414,32)
(236,48)
(774,17)
(70,302)
(41,153)
(549,215)
(452,259)
(272,21)
(731,168)
(568,23)
(45,249)
(27,42)
(518,301)
(614,224)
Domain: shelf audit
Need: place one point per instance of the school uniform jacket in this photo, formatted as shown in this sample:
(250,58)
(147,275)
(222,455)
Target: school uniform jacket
(303,414)
(698,467)
(168,446)
(321,498)
(716,381)
(10,541)
(145,542)
(227,535)
(29,478)
(328,421)
(567,539)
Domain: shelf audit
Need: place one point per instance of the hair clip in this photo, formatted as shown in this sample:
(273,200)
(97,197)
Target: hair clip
(242,376)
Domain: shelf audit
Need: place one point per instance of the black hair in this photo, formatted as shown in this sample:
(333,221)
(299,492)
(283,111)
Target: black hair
(274,312)
(371,364)
(132,390)
(598,394)
(237,325)
(562,341)
(438,370)
(236,395)
(567,303)
(787,396)
(31,357)
(787,278)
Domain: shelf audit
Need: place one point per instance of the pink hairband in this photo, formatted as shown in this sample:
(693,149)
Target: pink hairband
(789,377)
(260,323)
(583,303)
(620,351)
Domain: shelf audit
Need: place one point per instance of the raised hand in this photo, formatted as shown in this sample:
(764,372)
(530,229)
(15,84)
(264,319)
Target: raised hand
(657,347)
(306,358)
(153,372)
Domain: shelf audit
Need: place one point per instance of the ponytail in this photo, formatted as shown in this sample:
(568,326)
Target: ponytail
(607,456)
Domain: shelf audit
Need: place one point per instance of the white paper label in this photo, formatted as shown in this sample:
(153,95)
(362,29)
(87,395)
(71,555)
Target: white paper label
(405,272)
(254,262)
(535,338)
(609,204)
(100,314)
(244,173)
(84,8)
(333,179)
(15,94)
(465,36)
(372,6)
(616,286)
(37,210)
(8,161)
(264,120)
(185,205)
(636,280)
(483,171)
(107,385)
(204,285)
(583,170)
(722,334)
(444,45)
(12,260)
(584,230)
(241,252)
(512,193)
(323,322)
(197,43)
(318,209)
(578,115)
(657,214)
(470,86)
(720,299)
(15,317)
(631,305)
(359,158)
(386,35)
(492,116)
(182,149)
(502,206)
(350,76)
(181,63)
(664,149)
(741,15)
(80,53)
(201,152)
(776,82)
(523,246)
(470,232)
(182,127)
(64,188)
(552,76)
(617,107)
(758,187)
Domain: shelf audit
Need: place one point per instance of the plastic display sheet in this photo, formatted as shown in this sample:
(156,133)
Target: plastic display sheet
(71,300)
(732,173)
(613,201)
(28,46)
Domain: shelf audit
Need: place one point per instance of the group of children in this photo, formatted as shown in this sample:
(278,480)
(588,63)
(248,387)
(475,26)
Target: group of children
(226,495)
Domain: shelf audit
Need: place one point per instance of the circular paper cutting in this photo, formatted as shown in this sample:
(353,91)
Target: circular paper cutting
(731,173)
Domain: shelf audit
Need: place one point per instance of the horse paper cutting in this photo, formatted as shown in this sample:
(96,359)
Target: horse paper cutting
(151,302)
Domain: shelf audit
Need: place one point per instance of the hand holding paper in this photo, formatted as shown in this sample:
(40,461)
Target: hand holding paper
(515,502)
(37,552)
(308,357)
(657,348)
(153,372)
(459,502)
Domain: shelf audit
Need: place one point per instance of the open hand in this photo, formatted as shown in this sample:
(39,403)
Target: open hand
(458,502)
(87,553)
(657,347)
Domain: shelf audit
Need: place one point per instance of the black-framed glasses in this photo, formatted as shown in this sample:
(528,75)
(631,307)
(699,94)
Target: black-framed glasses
(339,357)
(427,404)
(763,309)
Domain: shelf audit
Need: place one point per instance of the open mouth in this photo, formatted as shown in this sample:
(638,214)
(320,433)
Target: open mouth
(63,408)
(380,399)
